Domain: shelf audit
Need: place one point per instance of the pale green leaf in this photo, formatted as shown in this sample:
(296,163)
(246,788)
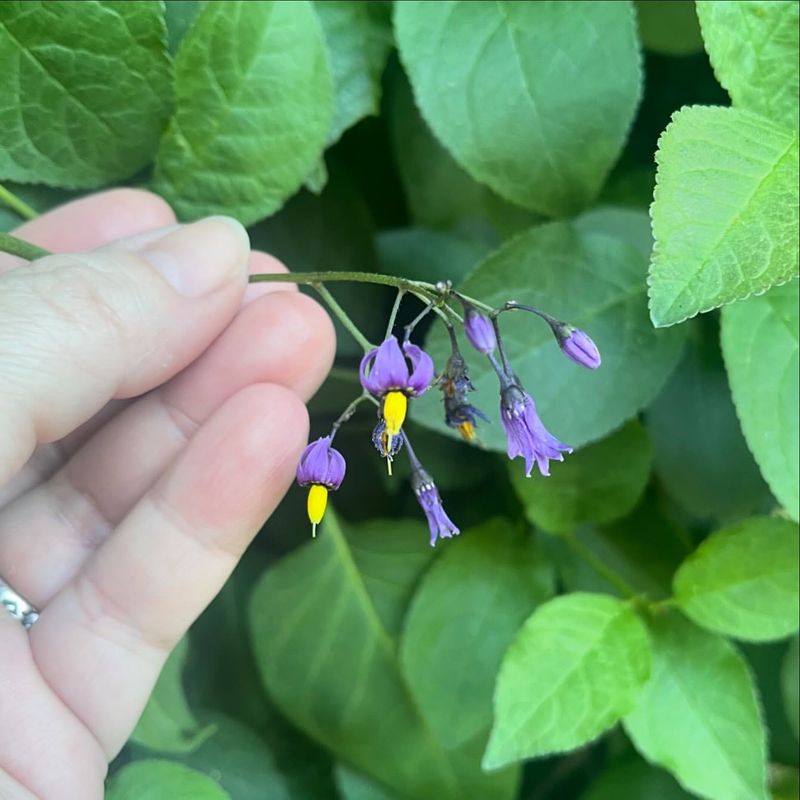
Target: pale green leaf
(753,47)
(532,99)
(152,779)
(699,715)
(329,659)
(358,38)
(790,685)
(760,346)
(700,454)
(463,617)
(84,95)
(724,211)
(743,581)
(576,667)
(669,26)
(254,103)
(167,723)
(593,281)
(599,483)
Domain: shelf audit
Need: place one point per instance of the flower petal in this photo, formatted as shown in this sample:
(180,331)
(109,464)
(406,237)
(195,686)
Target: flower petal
(421,368)
(366,373)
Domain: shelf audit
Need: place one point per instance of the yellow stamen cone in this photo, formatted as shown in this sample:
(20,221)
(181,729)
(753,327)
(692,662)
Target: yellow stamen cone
(317,503)
(395,406)
(467,430)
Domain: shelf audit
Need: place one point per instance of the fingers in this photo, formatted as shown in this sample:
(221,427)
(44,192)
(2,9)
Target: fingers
(80,330)
(47,535)
(107,633)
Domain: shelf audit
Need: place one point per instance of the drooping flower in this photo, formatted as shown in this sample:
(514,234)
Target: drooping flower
(441,526)
(527,437)
(321,467)
(394,375)
(455,385)
(462,416)
(577,345)
(479,329)
(388,448)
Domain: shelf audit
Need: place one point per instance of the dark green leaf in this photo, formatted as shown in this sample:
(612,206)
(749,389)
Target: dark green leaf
(254,104)
(669,26)
(85,93)
(760,345)
(179,15)
(628,224)
(576,667)
(790,683)
(152,779)
(699,715)
(635,780)
(354,786)
(516,90)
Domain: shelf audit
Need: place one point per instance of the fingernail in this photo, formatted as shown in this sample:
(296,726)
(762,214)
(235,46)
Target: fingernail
(202,257)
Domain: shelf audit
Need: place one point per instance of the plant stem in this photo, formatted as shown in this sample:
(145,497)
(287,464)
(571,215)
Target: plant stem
(348,412)
(395,309)
(599,567)
(342,315)
(354,277)
(16,247)
(17,204)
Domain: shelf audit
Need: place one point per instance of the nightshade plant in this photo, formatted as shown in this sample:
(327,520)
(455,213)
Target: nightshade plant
(488,196)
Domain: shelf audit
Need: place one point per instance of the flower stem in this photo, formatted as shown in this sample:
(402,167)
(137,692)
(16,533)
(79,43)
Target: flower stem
(395,309)
(17,204)
(600,568)
(348,412)
(342,315)
(354,277)
(16,247)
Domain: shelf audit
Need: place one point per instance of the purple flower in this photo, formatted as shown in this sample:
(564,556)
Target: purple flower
(394,375)
(577,345)
(440,524)
(479,330)
(527,436)
(323,468)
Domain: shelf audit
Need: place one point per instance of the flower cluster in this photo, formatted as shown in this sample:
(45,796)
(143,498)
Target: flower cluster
(393,374)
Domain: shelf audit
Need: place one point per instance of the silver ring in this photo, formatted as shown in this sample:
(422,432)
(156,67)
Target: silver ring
(17,606)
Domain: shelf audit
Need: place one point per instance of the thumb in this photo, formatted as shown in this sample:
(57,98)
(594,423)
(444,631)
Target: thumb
(79,330)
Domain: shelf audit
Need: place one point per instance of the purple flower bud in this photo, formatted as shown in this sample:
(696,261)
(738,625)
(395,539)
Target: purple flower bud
(321,464)
(527,436)
(479,330)
(577,345)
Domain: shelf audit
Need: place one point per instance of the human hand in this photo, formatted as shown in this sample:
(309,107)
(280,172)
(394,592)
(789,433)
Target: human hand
(146,432)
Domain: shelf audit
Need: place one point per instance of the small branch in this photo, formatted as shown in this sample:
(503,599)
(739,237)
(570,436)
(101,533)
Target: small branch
(395,309)
(348,412)
(17,204)
(342,316)
(17,247)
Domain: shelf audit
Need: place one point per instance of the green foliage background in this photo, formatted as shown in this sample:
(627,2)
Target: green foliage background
(626,628)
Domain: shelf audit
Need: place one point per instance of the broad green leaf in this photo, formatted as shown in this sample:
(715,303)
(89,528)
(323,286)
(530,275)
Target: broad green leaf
(760,346)
(253,107)
(699,715)
(179,15)
(167,723)
(599,483)
(467,610)
(532,99)
(669,26)
(743,581)
(358,37)
(629,225)
(329,659)
(439,193)
(84,96)
(700,454)
(753,47)
(634,780)
(355,786)
(784,782)
(576,667)
(724,211)
(790,684)
(596,283)
(153,779)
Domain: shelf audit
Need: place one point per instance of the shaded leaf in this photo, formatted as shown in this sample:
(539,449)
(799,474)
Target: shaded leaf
(354,786)
(635,780)
(669,26)
(152,779)
(790,684)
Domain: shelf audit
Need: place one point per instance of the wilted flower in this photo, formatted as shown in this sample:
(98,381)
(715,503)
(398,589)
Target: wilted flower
(455,384)
(462,416)
(527,436)
(577,345)
(323,468)
(441,526)
(394,375)
(479,329)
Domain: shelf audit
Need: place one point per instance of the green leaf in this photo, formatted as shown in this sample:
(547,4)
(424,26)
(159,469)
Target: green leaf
(167,723)
(467,610)
(254,104)
(84,96)
(179,15)
(790,685)
(753,47)
(599,483)
(576,667)
(358,37)
(634,780)
(329,659)
(596,283)
(699,715)
(669,26)
(152,779)
(743,581)
(354,786)
(532,99)
(724,211)
(760,346)
(629,225)
(700,454)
